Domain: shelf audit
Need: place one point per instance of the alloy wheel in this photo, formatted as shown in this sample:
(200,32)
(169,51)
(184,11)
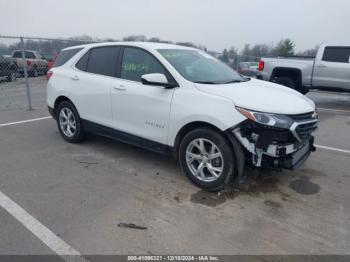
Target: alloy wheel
(67,122)
(13,76)
(204,159)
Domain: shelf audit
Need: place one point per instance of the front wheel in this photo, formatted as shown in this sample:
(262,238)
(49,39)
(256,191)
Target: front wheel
(12,76)
(69,122)
(207,158)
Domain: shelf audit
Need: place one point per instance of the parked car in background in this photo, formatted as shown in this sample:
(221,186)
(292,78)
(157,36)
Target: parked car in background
(50,58)
(330,69)
(8,69)
(248,68)
(35,63)
(183,102)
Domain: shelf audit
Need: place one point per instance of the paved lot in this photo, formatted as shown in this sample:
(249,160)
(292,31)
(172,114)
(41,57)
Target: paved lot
(82,192)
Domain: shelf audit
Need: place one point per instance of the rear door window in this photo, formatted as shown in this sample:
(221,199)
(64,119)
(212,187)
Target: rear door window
(336,54)
(103,60)
(64,56)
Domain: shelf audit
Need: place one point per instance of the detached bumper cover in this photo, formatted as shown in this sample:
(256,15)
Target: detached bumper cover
(292,161)
(277,147)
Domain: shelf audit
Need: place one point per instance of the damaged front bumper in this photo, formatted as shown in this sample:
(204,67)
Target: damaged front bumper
(276,147)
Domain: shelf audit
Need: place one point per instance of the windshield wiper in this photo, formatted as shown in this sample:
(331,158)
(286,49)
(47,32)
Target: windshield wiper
(237,81)
(207,82)
(222,83)
(233,81)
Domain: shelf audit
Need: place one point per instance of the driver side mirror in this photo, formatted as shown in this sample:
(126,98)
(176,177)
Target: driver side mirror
(156,79)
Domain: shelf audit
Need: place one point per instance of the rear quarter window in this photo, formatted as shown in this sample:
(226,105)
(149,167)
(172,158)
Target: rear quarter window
(65,55)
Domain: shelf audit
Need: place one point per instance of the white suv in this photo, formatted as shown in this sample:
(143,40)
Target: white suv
(183,102)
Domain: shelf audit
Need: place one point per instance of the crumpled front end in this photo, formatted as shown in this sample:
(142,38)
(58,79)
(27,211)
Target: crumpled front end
(278,147)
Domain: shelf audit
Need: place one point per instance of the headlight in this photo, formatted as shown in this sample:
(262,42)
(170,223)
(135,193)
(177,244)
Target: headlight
(276,120)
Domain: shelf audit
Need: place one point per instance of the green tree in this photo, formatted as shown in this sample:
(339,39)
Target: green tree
(285,47)
(246,50)
(224,57)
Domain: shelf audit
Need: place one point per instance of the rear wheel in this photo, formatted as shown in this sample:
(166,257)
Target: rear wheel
(288,82)
(207,159)
(69,122)
(35,72)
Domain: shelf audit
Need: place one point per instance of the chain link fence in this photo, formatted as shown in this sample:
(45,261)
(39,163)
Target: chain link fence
(24,62)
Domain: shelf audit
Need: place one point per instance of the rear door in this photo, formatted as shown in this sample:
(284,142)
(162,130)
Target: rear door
(92,84)
(333,68)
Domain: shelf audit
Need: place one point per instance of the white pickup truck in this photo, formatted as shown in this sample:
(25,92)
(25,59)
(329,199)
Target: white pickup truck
(35,63)
(330,69)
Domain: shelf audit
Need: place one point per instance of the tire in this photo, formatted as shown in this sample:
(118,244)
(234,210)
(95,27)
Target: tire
(288,82)
(12,76)
(191,158)
(35,72)
(303,90)
(73,131)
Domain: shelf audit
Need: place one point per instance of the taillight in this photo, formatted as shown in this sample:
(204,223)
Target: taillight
(29,63)
(49,74)
(261,65)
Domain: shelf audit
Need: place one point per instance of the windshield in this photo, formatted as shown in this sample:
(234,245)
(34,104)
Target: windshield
(199,67)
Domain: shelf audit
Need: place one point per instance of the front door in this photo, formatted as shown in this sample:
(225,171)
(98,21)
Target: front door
(333,69)
(138,109)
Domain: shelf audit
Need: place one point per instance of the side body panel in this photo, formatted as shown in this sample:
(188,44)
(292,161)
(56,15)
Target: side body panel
(191,105)
(141,110)
(330,74)
(304,65)
(89,93)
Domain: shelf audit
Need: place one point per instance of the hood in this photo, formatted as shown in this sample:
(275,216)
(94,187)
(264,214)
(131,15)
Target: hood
(262,96)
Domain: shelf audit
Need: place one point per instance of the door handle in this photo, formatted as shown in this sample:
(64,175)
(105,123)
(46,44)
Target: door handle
(75,77)
(321,66)
(119,88)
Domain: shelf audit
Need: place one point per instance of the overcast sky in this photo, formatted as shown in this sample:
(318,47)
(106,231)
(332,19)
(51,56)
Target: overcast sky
(213,23)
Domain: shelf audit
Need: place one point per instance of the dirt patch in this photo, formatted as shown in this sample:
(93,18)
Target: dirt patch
(262,184)
(253,186)
(208,198)
(273,204)
(304,186)
(313,172)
